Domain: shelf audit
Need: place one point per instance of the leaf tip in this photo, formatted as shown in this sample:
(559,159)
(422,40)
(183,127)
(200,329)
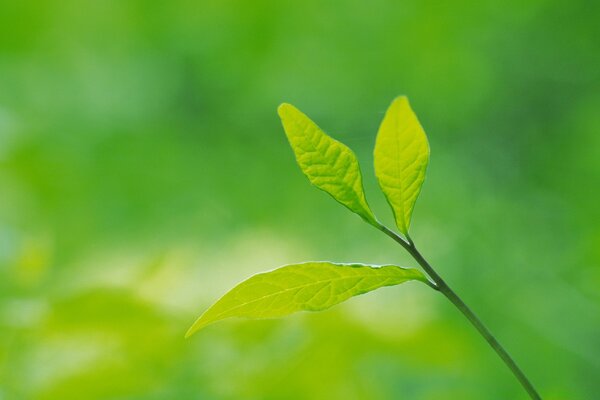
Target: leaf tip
(198,325)
(193,329)
(284,108)
(400,101)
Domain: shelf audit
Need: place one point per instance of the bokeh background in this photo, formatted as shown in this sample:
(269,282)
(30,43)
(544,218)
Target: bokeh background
(143,172)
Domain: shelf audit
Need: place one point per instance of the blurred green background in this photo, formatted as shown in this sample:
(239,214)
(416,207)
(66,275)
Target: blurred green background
(143,172)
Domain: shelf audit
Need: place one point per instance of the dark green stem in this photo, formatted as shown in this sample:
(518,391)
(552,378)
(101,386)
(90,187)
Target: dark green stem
(443,287)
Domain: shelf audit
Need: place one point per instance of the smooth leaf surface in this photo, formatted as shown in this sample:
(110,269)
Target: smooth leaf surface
(401,158)
(329,165)
(311,286)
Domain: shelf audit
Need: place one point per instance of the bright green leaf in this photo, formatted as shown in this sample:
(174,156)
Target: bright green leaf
(401,158)
(311,286)
(329,165)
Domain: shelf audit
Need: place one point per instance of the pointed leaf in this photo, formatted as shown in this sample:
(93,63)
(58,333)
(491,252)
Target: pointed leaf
(329,165)
(310,286)
(401,158)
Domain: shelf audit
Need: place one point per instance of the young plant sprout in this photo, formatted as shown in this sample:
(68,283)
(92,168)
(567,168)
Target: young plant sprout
(401,157)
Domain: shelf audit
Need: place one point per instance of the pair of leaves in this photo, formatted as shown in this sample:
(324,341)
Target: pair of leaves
(401,157)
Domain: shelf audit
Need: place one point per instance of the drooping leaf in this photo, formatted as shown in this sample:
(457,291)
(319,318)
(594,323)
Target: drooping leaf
(329,165)
(311,286)
(401,158)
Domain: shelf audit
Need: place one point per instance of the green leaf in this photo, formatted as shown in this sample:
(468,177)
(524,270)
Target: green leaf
(311,286)
(329,165)
(401,158)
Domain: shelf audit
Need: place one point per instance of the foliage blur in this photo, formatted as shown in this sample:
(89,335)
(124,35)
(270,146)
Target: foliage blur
(143,172)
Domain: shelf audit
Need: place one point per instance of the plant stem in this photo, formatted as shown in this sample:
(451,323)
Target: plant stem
(443,287)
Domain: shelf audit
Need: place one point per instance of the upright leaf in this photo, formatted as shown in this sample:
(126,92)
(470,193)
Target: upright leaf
(329,165)
(311,286)
(401,158)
